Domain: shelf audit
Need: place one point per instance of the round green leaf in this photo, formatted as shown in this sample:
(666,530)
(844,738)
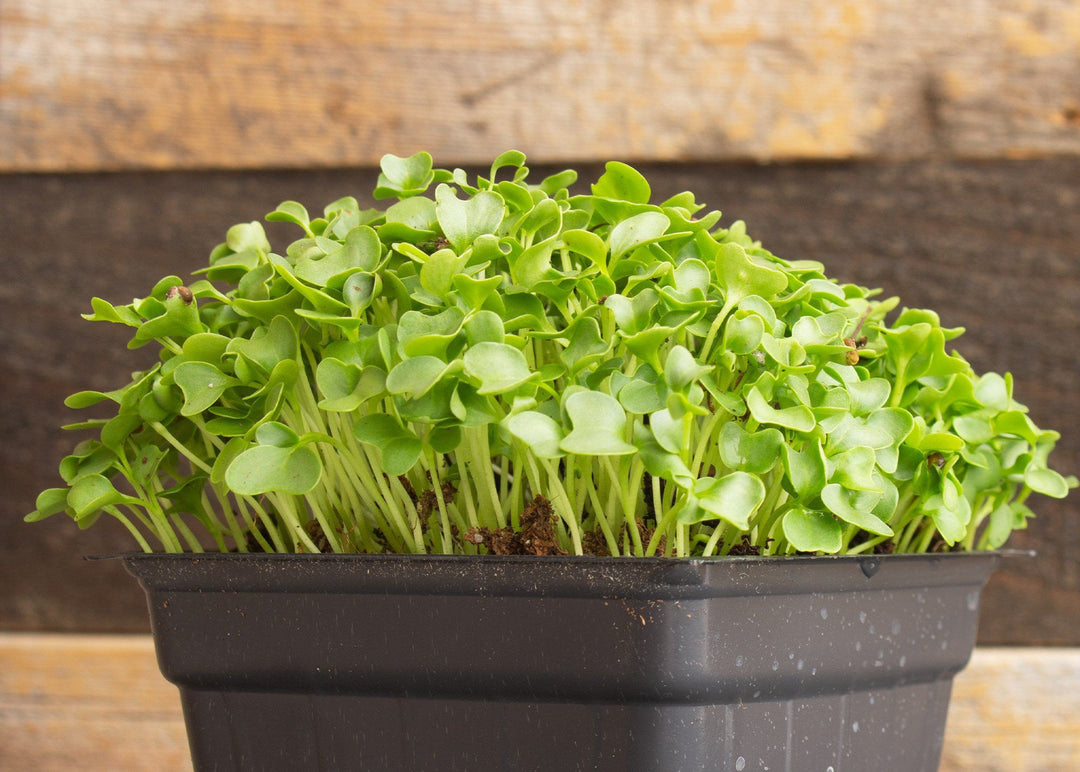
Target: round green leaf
(413,378)
(734,498)
(1047,482)
(201,384)
(541,433)
(855,508)
(49,502)
(799,417)
(267,468)
(499,367)
(813,531)
(599,422)
(739,276)
(462,222)
(637,230)
(622,183)
(755,453)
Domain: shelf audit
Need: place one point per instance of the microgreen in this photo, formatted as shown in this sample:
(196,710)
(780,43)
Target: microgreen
(410,379)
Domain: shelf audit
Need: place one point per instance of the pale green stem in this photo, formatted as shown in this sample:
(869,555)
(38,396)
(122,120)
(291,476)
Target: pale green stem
(131,527)
(189,537)
(268,522)
(158,427)
(561,502)
(628,509)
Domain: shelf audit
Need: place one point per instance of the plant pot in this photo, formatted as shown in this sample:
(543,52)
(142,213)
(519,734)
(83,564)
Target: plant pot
(519,663)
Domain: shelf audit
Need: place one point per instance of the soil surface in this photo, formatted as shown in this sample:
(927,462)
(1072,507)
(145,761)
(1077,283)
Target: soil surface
(536,537)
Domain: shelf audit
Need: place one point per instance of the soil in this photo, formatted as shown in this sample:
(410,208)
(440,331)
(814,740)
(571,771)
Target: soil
(536,537)
(744,548)
(646,537)
(594,543)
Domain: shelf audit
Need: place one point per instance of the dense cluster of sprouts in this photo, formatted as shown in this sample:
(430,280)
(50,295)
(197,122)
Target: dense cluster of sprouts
(627,375)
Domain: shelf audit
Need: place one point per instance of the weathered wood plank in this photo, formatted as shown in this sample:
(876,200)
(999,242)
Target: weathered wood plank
(99,703)
(87,703)
(1015,710)
(242,84)
(993,246)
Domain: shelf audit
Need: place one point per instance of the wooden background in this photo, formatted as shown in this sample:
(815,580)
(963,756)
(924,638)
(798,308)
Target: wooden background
(932,150)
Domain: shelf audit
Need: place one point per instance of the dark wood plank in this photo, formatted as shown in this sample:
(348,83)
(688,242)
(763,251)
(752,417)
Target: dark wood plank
(992,246)
(234,84)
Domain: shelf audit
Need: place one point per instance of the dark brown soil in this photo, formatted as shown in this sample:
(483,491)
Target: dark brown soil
(408,488)
(594,543)
(536,537)
(646,537)
(744,548)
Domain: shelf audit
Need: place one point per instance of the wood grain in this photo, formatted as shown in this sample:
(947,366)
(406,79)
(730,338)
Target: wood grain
(1015,710)
(87,703)
(246,84)
(99,703)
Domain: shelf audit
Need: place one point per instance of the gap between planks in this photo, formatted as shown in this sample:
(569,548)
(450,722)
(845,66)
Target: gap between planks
(98,702)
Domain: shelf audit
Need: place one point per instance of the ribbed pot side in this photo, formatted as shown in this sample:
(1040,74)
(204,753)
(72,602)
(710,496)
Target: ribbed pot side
(511,663)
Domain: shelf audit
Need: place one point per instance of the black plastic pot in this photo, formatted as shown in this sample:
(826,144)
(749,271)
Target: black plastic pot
(505,663)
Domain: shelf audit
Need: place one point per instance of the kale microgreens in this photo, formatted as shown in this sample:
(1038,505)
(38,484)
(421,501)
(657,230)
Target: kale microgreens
(419,378)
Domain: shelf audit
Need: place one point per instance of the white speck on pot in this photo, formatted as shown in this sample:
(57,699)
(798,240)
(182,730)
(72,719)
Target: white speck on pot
(824,613)
(972,601)
(896,627)
(862,616)
(739,661)
(855,726)
(858,645)
(903,661)
(799,665)
(775,665)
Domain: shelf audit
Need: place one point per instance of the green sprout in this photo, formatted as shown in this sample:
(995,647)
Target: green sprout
(503,366)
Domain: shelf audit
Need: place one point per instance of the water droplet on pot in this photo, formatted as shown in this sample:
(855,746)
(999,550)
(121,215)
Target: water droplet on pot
(858,645)
(862,616)
(775,665)
(895,628)
(855,726)
(870,566)
(824,613)
(903,661)
(739,661)
(972,601)
(740,764)
(799,665)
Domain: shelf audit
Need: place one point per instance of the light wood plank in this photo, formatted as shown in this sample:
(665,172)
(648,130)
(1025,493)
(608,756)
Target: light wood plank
(87,702)
(98,703)
(1015,710)
(247,84)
